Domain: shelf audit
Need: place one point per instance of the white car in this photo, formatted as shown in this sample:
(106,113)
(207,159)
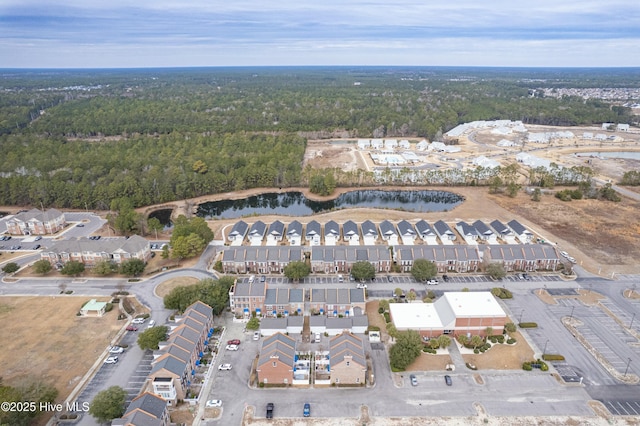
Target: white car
(116,350)
(256,335)
(232,347)
(564,254)
(138,321)
(224,367)
(571,259)
(111,360)
(432,282)
(361,286)
(214,403)
(152,323)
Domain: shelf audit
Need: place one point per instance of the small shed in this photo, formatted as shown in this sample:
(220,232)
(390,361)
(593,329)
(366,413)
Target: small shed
(93,308)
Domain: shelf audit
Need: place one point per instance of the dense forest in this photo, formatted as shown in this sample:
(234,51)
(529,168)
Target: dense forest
(80,138)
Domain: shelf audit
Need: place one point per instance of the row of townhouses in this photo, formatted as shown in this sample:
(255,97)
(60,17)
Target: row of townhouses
(344,363)
(90,252)
(340,259)
(248,298)
(368,233)
(174,363)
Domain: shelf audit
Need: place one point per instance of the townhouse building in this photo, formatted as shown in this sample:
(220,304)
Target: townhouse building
(36,222)
(90,252)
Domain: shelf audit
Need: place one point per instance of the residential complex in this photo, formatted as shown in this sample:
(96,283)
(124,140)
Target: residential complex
(36,222)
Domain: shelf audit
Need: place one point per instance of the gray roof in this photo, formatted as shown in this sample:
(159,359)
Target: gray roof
(346,344)
(296,295)
(276,229)
(317,321)
(133,244)
(37,215)
(501,228)
(466,230)
(313,228)
(387,229)
(284,347)
(170,364)
(442,228)
(239,229)
(405,228)
(294,229)
(318,295)
(482,229)
(517,227)
(356,295)
(332,228)
(350,228)
(258,229)
(201,308)
(424,229)
(254,289)
(148,403)
(369,229)
(273,323)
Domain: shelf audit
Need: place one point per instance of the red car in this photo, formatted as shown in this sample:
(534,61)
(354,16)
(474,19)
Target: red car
(233,342)
(132,328)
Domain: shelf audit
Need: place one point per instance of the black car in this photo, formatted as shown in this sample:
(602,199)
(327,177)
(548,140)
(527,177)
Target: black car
(389,278)
(445,278)
(270,410)
(447,380)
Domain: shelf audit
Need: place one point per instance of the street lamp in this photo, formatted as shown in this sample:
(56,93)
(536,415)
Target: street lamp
(544,351)
(632,318)
(571,316)
(627,369)
(521,314)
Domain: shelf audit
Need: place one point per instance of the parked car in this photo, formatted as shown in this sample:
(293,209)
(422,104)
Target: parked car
(80,225)
(445,278)
(111,360)
(447,380)
(138,321)
(36,247)
(132,328)
(414,380)
(233,342)
(361,286)
(263,279)
(214,403)
(116,350)
(223,367)
(232,347)
(317,337)
(432,282)
(526,277)
(340,278)
(252,278)
(38,238)
(270,408)
(306,411)
(564,254)
(389,279)
(152,323)
(256,335)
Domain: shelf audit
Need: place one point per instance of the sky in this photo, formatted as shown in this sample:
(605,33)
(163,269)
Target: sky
(186,33)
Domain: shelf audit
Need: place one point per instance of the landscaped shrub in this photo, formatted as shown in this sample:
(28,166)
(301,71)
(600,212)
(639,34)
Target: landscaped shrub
(387,317)
(553,357)
(476,351)
(108,307)
(482,349)
(380,310)
(429,350)
(526,366)
(528,325)
(500,338)
(511,341)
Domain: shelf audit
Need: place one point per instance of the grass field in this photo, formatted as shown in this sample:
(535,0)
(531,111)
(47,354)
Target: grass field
(43,337)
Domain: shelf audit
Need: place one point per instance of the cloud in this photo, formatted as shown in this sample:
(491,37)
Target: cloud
(31,31)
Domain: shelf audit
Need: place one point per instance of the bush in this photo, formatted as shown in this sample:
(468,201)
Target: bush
(528,325)
(526,366)
(500,338)
(387,317)
(511,341)
(108,307)
(553,357)
(380,310)
(476,351)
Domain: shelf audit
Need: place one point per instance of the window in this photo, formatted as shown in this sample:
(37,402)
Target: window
(357,379)
(275,364)
(348,363)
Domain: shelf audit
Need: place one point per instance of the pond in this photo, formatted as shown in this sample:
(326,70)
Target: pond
(296,204)
(164,216)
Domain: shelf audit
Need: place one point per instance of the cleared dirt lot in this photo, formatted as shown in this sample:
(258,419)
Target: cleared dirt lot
(42,336)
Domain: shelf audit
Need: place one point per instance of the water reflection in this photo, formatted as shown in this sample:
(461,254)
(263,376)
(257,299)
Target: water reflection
(296,204)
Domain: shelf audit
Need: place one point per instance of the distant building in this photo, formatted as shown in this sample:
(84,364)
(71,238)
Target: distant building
(89,252)
(36,222)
